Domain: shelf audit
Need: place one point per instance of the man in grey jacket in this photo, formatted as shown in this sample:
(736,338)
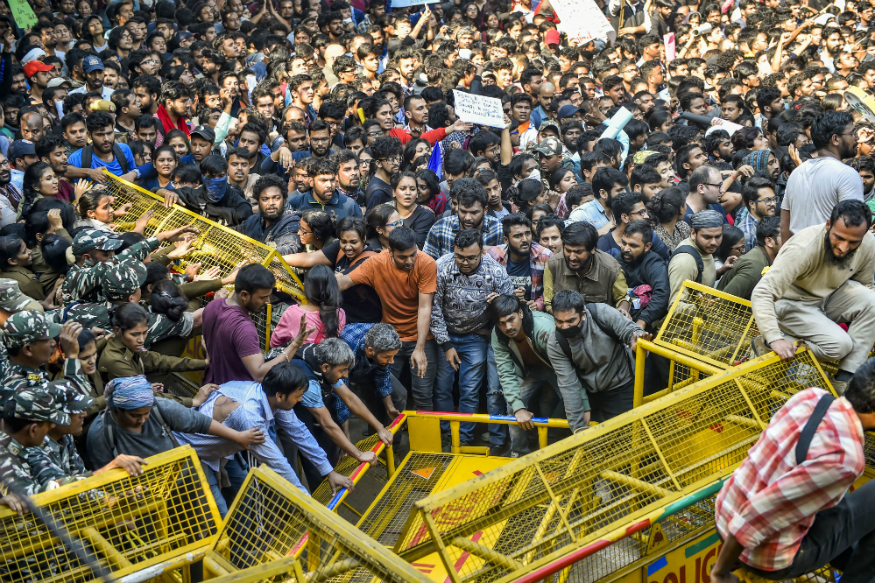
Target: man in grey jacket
(595,355)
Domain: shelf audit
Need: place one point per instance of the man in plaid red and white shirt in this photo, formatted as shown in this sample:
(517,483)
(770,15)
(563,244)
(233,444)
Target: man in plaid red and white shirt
(784,520)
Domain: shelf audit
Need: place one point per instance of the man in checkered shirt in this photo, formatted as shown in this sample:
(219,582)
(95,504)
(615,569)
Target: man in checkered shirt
(786,510)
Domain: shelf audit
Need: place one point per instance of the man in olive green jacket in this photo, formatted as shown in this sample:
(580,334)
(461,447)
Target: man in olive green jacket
(519,341)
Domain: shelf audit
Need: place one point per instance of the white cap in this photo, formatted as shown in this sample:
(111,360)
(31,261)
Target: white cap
(32,55)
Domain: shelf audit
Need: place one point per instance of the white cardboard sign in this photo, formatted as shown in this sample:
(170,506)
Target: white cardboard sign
(582,21)
(479,109)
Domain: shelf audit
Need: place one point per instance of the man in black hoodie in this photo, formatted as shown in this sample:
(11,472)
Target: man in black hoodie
(643,268)
(273,225)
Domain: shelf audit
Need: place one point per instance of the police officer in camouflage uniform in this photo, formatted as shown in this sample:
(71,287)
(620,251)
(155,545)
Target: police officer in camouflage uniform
(29,338)
(27,418)
(56,462)
(12,301)
(92,249)
(121,282)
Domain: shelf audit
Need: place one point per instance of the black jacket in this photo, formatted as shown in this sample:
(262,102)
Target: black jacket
(282,234)
(232,210)
(649,270)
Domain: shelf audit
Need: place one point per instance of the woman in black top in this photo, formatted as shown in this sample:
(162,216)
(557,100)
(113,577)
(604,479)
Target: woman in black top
(413,216)
(347,252)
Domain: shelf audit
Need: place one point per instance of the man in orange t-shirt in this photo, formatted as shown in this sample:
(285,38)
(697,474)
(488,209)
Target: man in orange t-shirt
(405,278)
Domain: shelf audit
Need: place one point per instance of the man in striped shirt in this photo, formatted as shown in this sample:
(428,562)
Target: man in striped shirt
(786,510)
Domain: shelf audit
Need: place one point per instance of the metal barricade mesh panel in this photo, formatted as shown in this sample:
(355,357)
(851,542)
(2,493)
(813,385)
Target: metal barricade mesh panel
(346,467)
(128,522)
(709,325)
(276,533)
(555,500)
(215,244)
(418,477)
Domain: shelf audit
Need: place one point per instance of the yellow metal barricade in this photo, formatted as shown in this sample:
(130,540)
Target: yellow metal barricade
(708,325)
(538,509)
(273,530)
(138,526)
(215,245)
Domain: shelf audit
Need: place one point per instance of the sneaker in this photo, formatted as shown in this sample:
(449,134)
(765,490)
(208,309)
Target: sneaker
(758,346)
(500,450)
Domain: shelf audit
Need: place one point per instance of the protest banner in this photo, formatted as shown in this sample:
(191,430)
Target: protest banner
(22,13)
(479,109)
(582,21)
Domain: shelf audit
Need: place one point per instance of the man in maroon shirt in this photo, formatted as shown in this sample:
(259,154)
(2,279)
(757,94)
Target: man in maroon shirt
(230,335)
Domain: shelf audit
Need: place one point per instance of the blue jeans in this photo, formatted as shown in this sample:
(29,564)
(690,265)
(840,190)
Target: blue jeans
(213,481)
(472,351)
(495,403)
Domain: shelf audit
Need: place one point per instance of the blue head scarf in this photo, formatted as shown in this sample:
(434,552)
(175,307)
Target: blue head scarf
(129,393)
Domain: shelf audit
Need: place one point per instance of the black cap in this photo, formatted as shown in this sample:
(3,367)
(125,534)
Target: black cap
(205,132)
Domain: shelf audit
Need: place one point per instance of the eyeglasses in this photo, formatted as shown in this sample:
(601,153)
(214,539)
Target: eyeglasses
(374,134)
(393,159)
(397,223)
(641,213)
(303,232)
(769,200)
(150,62)
(719,185)
(464,259)
(347,72)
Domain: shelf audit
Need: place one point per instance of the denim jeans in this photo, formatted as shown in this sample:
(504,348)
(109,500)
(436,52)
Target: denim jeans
(421,388)
(495,403)
(472,350)
(842,536)
(213,481)
(367,392)
(535,378)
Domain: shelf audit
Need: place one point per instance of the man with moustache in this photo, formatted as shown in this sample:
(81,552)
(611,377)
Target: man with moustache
(147,89)
(93,68)
(324,195)
(238,171)
(272,224)
(471,214)
(523,260)
(51,149)
(349,176)
(584,268)
(175,107)
(822,277)
(103,152)
(643,267)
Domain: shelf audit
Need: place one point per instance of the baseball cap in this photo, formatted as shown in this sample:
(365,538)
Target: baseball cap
(552,37)
(549,147)
(567,111)
(92,239)
(70,401)
(122,279)
(20,149)
(58,81)
(33,67)
(29,326)
(205,132)
(92,63)
(12,300)
(37,405)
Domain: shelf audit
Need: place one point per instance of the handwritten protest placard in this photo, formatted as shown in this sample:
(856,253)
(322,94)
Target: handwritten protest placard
(582,21)
(22,13)
(479,109)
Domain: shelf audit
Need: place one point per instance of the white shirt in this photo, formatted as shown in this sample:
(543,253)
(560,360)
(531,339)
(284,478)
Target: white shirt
(106,91)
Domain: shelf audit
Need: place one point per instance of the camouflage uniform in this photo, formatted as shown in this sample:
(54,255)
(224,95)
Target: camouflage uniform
(82,284)
(24,328)
(30,405)
(120,280)
(12,301)
(551,146)
(58,461)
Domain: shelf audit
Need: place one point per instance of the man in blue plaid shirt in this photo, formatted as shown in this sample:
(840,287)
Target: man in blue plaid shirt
(471,214)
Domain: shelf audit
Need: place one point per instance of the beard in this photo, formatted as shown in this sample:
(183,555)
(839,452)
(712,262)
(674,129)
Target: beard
(832,260)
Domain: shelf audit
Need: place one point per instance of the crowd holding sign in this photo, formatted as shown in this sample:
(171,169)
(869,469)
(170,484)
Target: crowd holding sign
(479,109)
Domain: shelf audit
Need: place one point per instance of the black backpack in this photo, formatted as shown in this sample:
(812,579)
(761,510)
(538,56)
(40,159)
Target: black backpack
(109,432)
(88,153)
(690,250)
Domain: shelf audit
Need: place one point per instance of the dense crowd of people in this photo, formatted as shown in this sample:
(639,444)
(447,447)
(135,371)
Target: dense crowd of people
(447,265)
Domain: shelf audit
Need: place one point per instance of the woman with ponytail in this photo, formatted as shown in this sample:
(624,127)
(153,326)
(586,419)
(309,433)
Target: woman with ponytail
(323,312)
